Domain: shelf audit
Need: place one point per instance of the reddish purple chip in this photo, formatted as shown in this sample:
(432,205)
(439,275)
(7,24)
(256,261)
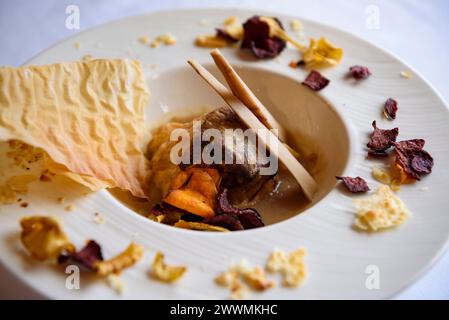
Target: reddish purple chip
(411,156)
(248,218)
(390,109)
(256,37)
(225,35)
(354,185)
(316,81)
(87,256)
(359,72)
(380,140)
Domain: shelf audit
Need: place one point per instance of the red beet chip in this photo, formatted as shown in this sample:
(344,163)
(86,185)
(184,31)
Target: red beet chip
(415,161)
(228,221)
(359,72)
(354,185)
(391,108)
(248,217)
(225,35)
(380,140)
(256,37)
(87,257)
(316,81)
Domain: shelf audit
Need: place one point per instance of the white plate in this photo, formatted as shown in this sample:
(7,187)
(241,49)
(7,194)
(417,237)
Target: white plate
(338,257)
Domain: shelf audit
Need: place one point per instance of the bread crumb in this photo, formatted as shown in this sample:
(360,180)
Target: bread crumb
(61,200)
(98,218)
(24,204)
(115,282)
(77,45)
(406,74)
(291,266)
(144,40)
(87,57)
(295,25)
(166,39)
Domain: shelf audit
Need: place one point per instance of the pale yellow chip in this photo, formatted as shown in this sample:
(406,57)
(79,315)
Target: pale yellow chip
(199,226)
(382,210)
(321,54)
(163,272)
(291,266)
(241,277)
(115,265)
(88,116)
(210,41)
(44,238)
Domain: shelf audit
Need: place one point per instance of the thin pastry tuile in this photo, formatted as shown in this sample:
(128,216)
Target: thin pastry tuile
(88,116)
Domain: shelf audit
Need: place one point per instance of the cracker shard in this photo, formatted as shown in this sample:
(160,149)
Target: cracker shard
(88,117)
(382,210)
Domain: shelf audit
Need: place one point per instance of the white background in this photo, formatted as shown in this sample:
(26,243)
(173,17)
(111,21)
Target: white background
(414,30)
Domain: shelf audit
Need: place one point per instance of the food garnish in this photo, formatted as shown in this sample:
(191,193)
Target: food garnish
(44,238)
(163,272)
(87,257)
(321,54)
(116,283)
(406,74)
(241,277)
(261,36)
(359,72)
(230,33)
(103,147)
(413,159)
(381,140)
(316,81)
(14,186)
(382,210)
(390,109)
(291,266)
(200,226)
(131,255)
(167,39)
(355,185)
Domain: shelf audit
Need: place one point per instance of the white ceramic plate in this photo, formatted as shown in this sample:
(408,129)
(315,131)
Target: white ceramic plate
(338,256)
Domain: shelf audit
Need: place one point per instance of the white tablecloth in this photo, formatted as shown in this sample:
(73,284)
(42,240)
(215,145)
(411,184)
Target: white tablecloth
(414,30)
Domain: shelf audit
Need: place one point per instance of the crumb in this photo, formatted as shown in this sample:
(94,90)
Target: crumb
(98,218)
(77,45)
(204,22)
(144,40)
(295,25)
(87,57)
(19,200)
(69,207)
(290,265)
(166,39)
(116,283)
(406,74)
(24,204)
(61,200)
